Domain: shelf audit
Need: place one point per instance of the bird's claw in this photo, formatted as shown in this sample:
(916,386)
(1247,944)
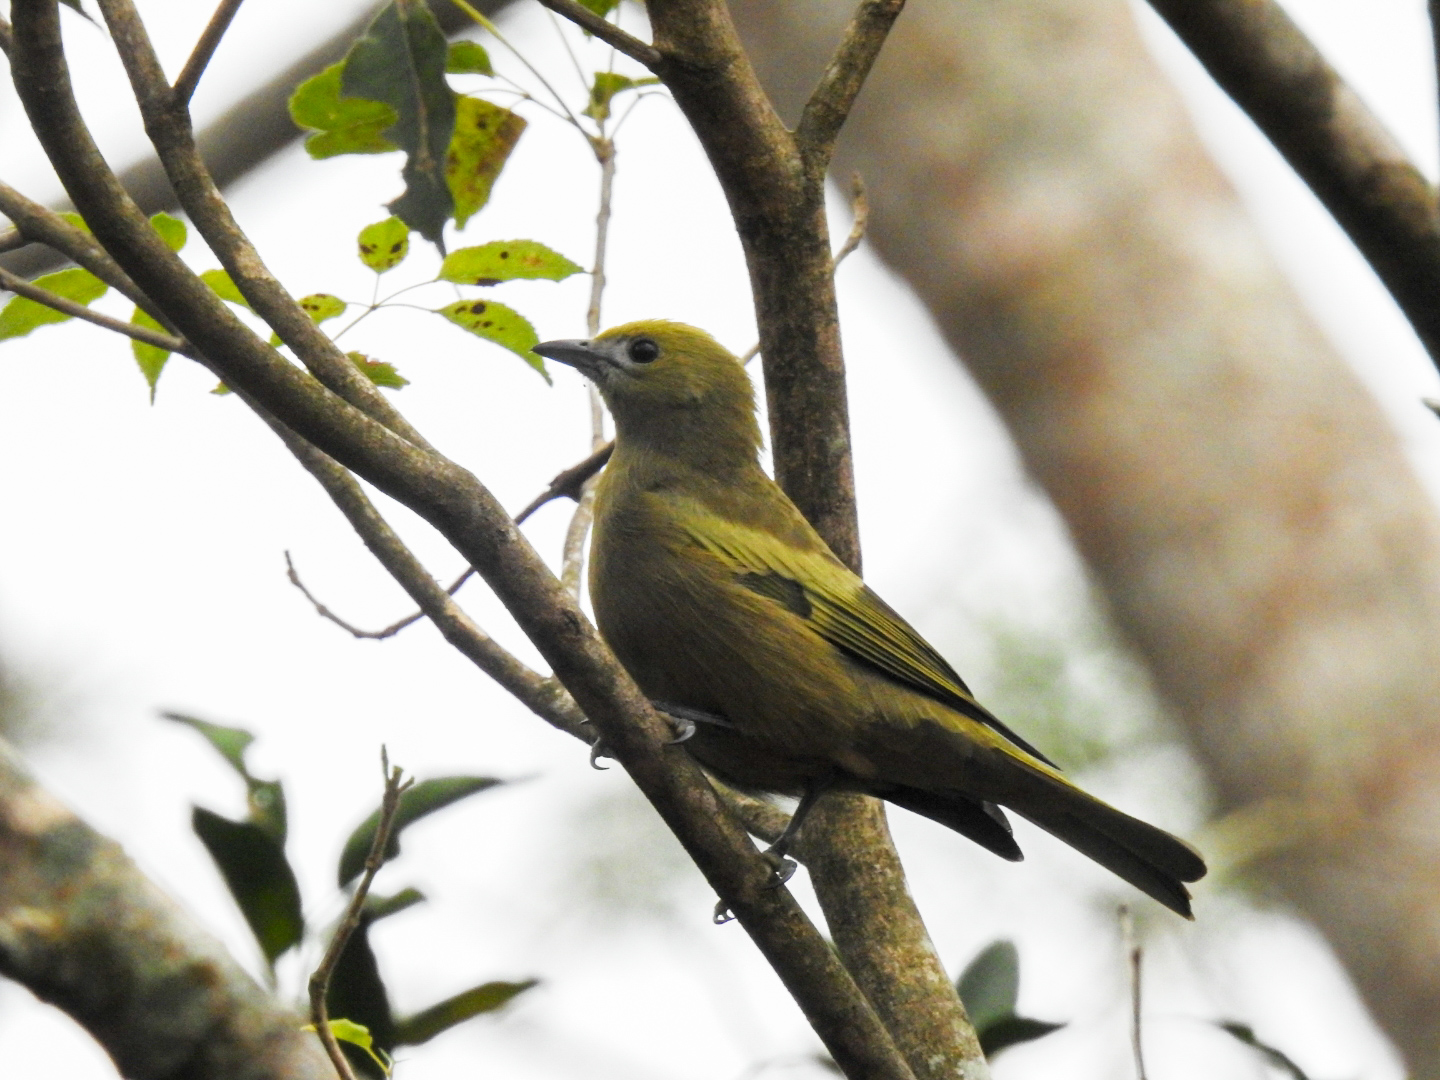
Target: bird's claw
(684,728)
(784,867)
(598,749)
(723,914)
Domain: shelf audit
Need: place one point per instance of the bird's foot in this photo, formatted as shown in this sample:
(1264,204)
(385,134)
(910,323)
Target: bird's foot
(684,719)
(781,864)
(598,749)
(723,914)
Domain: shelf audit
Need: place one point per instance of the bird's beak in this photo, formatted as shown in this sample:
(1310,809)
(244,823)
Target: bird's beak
(579,354)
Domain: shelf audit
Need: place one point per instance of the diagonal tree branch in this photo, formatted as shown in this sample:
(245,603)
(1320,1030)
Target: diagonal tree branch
(606,31)
(840,85)
(1389,210)
(446,495)
(69,307)
(84,930)
(199,60)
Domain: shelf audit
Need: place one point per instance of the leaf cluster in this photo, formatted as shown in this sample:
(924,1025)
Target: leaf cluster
(250,855)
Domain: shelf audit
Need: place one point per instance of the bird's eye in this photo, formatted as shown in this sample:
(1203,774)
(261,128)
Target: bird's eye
(643,351)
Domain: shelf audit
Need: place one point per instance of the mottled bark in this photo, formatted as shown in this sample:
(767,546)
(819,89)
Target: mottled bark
(83,929)
(1238,495)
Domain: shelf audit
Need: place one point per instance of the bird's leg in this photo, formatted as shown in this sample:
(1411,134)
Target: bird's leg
(684,719)
(777,853)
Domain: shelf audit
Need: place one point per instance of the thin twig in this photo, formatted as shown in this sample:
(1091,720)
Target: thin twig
(12,239)
(607,32)
(835,93)
(355,631)
(158,338)
(320,979)
(189,76)
(494,32)
(1134,955)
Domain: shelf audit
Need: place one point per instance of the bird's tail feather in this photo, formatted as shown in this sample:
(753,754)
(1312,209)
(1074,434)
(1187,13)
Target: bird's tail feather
(1152,860)
(983,822)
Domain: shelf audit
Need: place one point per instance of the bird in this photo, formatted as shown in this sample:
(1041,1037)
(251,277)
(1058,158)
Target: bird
(727,608)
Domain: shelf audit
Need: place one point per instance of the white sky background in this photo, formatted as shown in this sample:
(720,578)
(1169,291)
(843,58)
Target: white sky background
(141,568)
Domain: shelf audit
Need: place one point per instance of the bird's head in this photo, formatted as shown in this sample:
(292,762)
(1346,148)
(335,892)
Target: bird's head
(668,386)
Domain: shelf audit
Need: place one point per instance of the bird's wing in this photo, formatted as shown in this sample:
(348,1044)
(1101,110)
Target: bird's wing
(842,609)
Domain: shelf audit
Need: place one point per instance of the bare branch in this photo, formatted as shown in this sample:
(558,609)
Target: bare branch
(38,224)
(7,36)
(59,303)
(1134,960)
(350,921)
(84,930)
(189,76)
(355,631)
(842,79)
(1389,210)
(569,483)
(11,239)
(606,31)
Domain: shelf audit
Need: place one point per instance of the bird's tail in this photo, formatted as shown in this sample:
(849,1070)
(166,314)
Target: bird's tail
(1152,860)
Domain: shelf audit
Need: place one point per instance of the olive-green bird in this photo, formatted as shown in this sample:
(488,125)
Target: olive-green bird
(727,607)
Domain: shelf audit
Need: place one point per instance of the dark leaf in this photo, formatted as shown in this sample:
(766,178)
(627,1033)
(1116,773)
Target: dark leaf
(503,325)
(382,907)
(415,803)
(254,867)
(990,984)
(506,260)
(1279,1059)
(468,58)
(425,1025)
(342,125)
(384,244)
(21,314)
(266,798)
(358,993)
(400,60)
(484,136)
(1011,1031)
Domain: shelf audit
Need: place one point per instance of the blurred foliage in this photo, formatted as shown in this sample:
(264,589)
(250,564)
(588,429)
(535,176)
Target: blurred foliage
(989,987)
(1276,1059)
(250,856)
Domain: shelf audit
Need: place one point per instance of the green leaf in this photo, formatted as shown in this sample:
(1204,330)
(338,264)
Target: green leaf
(230,742)
(343,125)
(171,229)
(600,7)
(75,219)
(990,984)
(322,306)
(500,324)
(384,244)
(21,314)
(484,136)
(467,58)
(607,84)
(400,60)
(378,372)
(506,260)
(151,358)
(415,803)
(258,876)
(425,1025)
(382,907)
(220,283)
(347,1031)
(1246,1034)
(266,798)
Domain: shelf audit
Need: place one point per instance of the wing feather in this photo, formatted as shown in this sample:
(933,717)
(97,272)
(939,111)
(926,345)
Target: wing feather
(842,609)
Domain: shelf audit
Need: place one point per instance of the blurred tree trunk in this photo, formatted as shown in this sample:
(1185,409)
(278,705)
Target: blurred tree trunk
(1239,497)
